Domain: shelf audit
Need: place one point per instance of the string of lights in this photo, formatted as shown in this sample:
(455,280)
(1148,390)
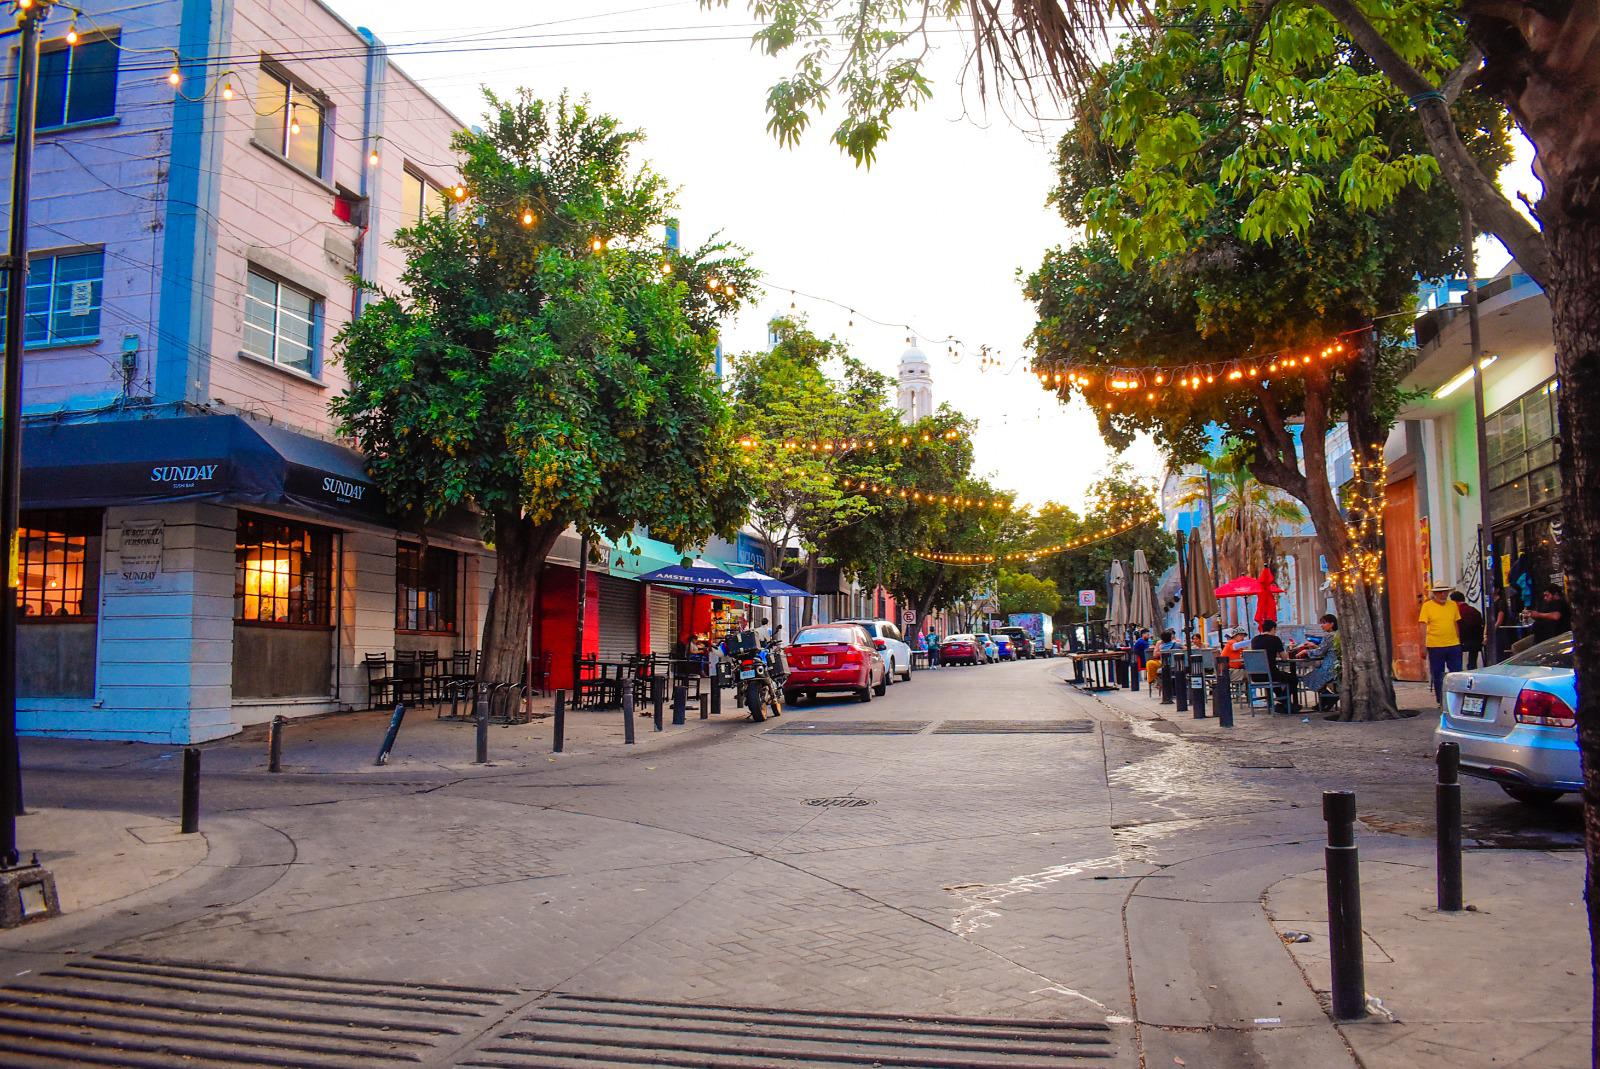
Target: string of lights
(1362,565)
(848,445)
(1150,381)
(982,560)
(919,497)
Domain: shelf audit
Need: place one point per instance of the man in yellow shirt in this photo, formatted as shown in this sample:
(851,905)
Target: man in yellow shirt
(1441,633)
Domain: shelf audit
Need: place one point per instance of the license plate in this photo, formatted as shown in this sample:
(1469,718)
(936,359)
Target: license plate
(819,659)
(1472,705)
(748,673)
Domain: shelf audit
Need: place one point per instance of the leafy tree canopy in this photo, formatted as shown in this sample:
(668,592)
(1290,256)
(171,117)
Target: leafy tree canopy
(1116,498)
(1022,592)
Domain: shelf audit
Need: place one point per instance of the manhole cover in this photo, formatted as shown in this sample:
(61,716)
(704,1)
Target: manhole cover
(848,801)
(1014,727)
(850,727)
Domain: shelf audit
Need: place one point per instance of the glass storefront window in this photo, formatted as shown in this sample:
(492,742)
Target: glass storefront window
(283,572)
(1522,453)
(58,569)
(425,589)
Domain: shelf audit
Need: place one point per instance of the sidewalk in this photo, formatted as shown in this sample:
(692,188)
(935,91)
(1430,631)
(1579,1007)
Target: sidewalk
(1504,983)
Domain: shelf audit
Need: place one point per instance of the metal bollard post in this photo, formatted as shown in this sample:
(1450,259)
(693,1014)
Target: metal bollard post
(481,731)
(1165,675)
(1133,671)
(1344,906)
(680,698)
(1180,685)
(559,740)
(716,693)
(191,791)
(389,736)
(658,698)
(1447,822)
(705,706)
(275,744)
(1197,693)
(627,715)
(1222,694)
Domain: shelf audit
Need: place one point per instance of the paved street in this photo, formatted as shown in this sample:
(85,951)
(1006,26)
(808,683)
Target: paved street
(1071,881)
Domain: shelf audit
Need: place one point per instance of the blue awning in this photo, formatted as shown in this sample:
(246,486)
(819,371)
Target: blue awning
(218,459)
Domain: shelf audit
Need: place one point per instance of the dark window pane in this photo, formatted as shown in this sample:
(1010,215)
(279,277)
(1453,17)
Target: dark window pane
(53,87)
(93,93)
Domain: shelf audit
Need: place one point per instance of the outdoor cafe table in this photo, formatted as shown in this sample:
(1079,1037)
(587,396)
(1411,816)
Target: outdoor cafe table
(1098,668)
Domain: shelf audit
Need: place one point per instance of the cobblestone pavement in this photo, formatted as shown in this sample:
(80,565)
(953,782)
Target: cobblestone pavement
(733,895)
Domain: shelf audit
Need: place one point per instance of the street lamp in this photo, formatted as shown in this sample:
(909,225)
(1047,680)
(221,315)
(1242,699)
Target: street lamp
(27,892)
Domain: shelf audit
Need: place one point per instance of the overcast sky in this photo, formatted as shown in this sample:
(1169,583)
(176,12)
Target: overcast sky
(932,237)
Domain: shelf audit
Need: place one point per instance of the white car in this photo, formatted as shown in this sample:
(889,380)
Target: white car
(886,636)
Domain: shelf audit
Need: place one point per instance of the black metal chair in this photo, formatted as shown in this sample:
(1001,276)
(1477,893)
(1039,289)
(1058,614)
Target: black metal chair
(407,675)
(380,680)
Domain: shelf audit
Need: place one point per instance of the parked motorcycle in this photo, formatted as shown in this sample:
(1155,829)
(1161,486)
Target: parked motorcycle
(760,671)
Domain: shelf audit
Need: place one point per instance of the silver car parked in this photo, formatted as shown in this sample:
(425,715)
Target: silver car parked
(1516,722)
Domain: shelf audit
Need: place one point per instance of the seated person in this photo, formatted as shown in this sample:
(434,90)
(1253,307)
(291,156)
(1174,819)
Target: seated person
(1233,649)
(1269,642)
(1323,679)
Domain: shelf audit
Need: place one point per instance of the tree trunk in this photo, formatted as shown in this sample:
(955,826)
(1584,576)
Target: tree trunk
(520,549)
(1574,234)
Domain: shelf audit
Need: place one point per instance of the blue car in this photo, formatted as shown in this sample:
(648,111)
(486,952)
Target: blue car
(1516,722)
(991,648)
(1008,650)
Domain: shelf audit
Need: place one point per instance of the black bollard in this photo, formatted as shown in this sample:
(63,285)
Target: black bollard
(627,714)
(559,741)
(658,698)
(481,731)
(1447,824)
(389,736)
(705,706)
(1165,675)
(1197,689)
(716,693)
(1180,685)
(680,698)
(1133,670)
(191,791)
(1222,694)
(1344,906)
(275,744)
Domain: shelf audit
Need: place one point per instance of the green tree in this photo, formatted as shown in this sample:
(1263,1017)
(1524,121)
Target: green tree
(548,361)
(926,585)
(804,392)
(1022,592)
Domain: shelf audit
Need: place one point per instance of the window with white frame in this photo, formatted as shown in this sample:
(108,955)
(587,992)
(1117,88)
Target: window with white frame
(419,197)
(64,292)
(289,121)
(77,83)
(280,323)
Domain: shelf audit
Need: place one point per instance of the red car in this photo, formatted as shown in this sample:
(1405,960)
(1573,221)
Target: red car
(834,657)
(962,649)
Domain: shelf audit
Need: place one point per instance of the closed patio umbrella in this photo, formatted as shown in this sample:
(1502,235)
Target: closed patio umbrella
(1267,601)
(1142,601)
(1202,592)
(1117,616)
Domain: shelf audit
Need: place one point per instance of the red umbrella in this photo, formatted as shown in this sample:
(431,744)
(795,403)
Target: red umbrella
(1242,587)
(1266,604)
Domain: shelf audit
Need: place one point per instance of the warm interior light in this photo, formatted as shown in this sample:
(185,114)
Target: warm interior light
(1462,379)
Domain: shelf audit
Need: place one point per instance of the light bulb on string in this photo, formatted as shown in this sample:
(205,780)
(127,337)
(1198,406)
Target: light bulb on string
(227,90)
(527,217)
(174,78)
(372,158)
(294,121)
(72,33)
(460,191)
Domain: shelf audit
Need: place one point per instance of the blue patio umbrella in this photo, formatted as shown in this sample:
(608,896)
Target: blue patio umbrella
(769,587)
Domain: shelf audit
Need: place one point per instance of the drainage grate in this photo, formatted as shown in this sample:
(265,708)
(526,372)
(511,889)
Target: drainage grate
(850,727)
(848,801)
(116,1010)
(1014,727)
(569,1031)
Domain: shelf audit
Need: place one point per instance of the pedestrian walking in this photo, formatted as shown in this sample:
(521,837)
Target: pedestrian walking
(1440,619)
(1471,627)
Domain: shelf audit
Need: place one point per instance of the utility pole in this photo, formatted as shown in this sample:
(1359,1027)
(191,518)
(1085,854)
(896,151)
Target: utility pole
(29,891)
(1485,546)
